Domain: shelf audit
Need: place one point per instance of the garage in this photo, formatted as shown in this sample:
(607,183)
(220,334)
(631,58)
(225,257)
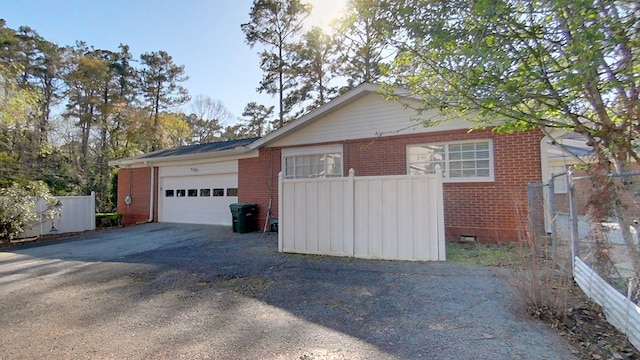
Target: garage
(192,184)
(198,194)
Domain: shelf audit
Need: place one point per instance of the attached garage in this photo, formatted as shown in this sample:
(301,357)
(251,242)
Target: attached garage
(189,184)
(198,195)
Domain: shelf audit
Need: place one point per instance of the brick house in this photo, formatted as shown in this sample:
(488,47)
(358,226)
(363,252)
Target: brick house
(485,173)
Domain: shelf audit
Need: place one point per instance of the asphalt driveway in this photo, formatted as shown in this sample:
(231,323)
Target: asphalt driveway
(202,292)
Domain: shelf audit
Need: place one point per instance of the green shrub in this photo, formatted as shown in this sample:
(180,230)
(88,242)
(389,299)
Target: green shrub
(18,208)
(108,220)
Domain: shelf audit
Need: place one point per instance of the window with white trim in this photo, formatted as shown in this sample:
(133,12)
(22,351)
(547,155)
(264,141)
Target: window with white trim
(312,162)
(459,161)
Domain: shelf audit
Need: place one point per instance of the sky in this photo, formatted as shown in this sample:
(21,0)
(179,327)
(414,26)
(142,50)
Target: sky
(202,35)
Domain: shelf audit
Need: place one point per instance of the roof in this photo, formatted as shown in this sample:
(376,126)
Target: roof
(199,148)
(219,148)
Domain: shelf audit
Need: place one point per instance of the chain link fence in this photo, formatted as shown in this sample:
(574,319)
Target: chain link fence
(548,206)
(593,222)
(560,216)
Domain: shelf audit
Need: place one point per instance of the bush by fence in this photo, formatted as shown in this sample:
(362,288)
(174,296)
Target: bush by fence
(104,220)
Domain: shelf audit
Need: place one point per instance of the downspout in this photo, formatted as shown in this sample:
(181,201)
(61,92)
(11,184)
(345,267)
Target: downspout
(151,192)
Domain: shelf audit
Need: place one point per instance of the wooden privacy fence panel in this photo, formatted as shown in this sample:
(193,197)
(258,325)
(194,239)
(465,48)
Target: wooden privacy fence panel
(620,311)
(377,217)
(78,213)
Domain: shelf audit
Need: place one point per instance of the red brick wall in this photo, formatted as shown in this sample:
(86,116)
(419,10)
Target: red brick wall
(491,211)
(258,182)
(137,181)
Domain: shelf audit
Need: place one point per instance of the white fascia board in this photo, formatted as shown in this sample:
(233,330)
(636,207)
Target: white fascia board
(240,152)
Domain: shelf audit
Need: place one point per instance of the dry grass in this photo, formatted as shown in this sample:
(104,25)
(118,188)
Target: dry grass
(542,281)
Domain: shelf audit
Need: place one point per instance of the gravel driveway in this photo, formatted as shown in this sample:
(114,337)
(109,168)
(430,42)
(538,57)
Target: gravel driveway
(168,291)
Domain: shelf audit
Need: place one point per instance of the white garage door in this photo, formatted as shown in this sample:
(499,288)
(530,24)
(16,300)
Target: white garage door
(197,199)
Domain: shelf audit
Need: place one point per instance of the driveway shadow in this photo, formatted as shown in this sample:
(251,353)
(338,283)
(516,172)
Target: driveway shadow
(407,310)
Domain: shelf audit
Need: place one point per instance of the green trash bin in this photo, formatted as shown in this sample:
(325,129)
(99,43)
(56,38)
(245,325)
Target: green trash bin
(245,217)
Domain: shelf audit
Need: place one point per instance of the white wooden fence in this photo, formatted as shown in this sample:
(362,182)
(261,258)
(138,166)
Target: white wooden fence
(78,213)
(378,217)
(620,311)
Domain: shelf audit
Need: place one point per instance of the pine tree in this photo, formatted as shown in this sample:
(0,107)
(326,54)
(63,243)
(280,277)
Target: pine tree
(160,88)
(275,24)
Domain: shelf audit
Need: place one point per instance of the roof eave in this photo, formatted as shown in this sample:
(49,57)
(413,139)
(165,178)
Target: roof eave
(141,160)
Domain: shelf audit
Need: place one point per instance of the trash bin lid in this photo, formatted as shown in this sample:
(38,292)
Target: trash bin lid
(239,206)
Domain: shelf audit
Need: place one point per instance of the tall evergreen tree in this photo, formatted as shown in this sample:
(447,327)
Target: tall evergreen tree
(123,97)
(275,25)
(160,87)
(86,81)
(314,58)
(257,118)
(362,34)
(42,63)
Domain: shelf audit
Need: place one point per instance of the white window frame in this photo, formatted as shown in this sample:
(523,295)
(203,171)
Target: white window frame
(445,170)
(316,150)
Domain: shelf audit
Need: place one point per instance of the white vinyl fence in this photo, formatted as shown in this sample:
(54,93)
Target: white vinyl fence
(78,214)
(620,311)
(376,217)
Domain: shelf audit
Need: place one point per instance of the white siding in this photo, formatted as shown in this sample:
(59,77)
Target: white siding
(366,117)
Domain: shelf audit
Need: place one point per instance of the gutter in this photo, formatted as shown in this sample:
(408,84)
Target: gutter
(151,195)
(151,192)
